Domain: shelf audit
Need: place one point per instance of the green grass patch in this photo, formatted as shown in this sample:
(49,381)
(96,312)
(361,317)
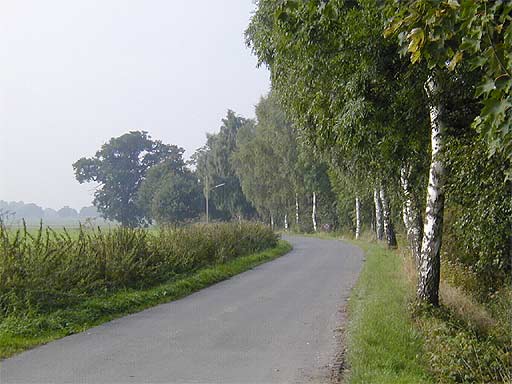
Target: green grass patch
(20,332)
(467,341)
(383,344)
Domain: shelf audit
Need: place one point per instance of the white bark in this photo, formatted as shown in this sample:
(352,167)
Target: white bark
(271,221)
(428,279)
(297,209)
(411,215)
(378,215)
(286,222)
(313,214)
(386,219)
(358,218)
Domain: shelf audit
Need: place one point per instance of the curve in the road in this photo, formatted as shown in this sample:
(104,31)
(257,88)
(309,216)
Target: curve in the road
(273,324)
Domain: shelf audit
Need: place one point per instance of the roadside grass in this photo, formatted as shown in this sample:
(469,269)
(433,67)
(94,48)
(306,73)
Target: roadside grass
(383,344)
(21,333)
(467,341)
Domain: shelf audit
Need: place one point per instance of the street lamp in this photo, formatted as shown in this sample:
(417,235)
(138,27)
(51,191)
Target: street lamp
(208,189)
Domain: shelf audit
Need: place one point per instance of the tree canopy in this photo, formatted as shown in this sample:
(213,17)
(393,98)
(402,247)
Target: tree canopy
(119,168)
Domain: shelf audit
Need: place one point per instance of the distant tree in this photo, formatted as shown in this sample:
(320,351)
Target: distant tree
(50,214)
(120,167)
(88,212)
(20,210)
(29,211)
(170,194)
(67,212)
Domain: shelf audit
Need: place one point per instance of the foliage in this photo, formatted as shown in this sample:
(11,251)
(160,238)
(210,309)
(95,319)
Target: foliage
(214,167)
(119,168)
(479,221)
(346,89)
(48,270)
(275,169)
(479,32)
(459,353)
(265,160)
(170,195)
(343,84)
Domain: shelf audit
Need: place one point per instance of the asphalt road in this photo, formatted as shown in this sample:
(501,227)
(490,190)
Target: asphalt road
(276,323)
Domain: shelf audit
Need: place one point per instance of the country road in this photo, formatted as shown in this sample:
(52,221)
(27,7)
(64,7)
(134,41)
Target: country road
(273,324)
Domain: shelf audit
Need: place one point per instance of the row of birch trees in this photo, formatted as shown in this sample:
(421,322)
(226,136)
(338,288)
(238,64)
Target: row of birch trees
(408,103)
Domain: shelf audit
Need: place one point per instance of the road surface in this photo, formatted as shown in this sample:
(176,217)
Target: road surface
(276,323)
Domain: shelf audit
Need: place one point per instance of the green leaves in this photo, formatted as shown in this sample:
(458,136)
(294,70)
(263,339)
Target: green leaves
(478,32)
(485,88)
(416,41)
(457,57)
(119,167)
(496,108)
(453,4)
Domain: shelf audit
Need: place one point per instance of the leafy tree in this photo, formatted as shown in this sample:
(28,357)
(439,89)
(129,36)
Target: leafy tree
(345,86)
(265,161)
(50,214)
(213,166)
(67,212)
(478,215)
(477,32)
(119,168)
(169,194)
(88,212)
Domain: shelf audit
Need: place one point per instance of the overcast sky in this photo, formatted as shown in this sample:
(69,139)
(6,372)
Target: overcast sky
(75,73)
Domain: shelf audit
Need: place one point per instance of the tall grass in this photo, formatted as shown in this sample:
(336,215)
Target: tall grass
(46,270)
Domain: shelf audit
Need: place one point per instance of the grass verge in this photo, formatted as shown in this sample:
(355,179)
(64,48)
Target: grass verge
(21,333)
(467,341)
(383,344)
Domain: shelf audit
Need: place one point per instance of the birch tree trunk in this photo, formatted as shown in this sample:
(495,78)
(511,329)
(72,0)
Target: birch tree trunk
(358,218)
(297,210)
(411,215)
(313,214)
(389,231)
(286,222)
(379,227)
(428,274)
(272,221)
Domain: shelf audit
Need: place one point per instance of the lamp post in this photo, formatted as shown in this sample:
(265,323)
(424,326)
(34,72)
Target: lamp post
(208,189)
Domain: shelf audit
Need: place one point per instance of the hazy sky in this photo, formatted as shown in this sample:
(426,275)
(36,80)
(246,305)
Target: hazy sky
(75,73)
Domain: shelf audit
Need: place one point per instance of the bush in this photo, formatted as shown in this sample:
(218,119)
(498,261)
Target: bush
(49,270)
(459,353)
(478,215)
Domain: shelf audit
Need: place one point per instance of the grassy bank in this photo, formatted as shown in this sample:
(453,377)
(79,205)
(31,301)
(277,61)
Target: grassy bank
(383,344)
(467,340)
(20,332)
